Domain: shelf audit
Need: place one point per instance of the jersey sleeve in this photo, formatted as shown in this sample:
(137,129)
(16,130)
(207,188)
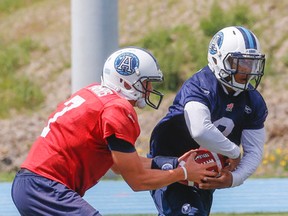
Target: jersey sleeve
(200,88)
(120,145)
(122,121)
(194,92)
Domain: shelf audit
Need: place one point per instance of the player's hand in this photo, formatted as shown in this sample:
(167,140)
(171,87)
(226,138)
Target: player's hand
(197,172)
(185,156)
(224,180)
(232,163)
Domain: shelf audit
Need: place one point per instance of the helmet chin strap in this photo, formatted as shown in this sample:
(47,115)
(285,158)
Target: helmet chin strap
(236,91)
(140,103)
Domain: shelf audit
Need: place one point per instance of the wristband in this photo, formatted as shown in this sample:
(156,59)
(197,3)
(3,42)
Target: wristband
(185,172)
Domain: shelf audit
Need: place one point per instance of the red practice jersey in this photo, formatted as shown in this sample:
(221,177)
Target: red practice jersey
(72,148)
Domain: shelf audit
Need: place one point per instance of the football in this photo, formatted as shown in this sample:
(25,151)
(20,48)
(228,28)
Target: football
(204,156)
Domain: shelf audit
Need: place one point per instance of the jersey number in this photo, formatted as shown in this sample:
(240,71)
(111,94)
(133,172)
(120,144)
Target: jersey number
(69,105)
(225,125)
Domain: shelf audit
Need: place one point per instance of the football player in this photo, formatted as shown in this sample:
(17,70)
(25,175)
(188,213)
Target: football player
(218,109)
(89,133)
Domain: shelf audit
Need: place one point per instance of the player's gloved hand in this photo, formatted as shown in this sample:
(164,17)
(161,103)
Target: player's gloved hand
(224,180)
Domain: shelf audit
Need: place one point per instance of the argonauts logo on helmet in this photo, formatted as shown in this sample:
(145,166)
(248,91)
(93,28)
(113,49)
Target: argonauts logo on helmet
(216,40)
(126,63)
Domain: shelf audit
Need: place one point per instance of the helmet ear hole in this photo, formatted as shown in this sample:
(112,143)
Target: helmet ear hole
(127,86)
(214,60)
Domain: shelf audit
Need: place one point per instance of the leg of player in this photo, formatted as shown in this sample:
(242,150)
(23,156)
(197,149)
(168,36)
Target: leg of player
(178,199)
(37,195)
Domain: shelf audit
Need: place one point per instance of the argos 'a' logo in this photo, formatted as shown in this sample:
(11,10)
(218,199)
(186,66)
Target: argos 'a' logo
(126,63)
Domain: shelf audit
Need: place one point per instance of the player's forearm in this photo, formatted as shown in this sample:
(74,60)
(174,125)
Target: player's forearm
(204,132)
(154,179)
(146,162)
(163,172)
(253,144)
(130,165)
(245,169)
(221,144)
(115,170)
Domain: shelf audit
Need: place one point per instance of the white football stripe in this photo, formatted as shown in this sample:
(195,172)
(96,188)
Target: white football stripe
(217,160)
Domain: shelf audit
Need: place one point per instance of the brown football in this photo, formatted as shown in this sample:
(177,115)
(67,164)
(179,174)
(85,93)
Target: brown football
(204,156)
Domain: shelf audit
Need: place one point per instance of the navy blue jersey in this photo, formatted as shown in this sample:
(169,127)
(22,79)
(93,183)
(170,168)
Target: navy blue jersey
(230,114)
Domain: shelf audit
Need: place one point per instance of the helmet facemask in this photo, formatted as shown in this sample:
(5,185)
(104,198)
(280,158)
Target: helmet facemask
(152,97)
(249,69)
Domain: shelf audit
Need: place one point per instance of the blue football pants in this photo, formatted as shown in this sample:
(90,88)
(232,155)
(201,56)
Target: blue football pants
(178,199)
(33,194)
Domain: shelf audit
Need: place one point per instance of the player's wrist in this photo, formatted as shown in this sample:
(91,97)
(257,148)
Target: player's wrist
(236,152)
(185,172)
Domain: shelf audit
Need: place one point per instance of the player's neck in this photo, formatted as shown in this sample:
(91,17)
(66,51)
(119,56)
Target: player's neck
(229,91)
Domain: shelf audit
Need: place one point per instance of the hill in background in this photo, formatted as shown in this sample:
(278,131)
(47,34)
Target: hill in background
(48,24)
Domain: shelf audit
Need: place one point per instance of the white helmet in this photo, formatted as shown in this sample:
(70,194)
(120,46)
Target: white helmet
(125,70)
(239,47)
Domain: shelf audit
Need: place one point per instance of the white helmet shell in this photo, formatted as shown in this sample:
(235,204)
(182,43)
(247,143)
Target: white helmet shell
(236,44)
(125,70)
